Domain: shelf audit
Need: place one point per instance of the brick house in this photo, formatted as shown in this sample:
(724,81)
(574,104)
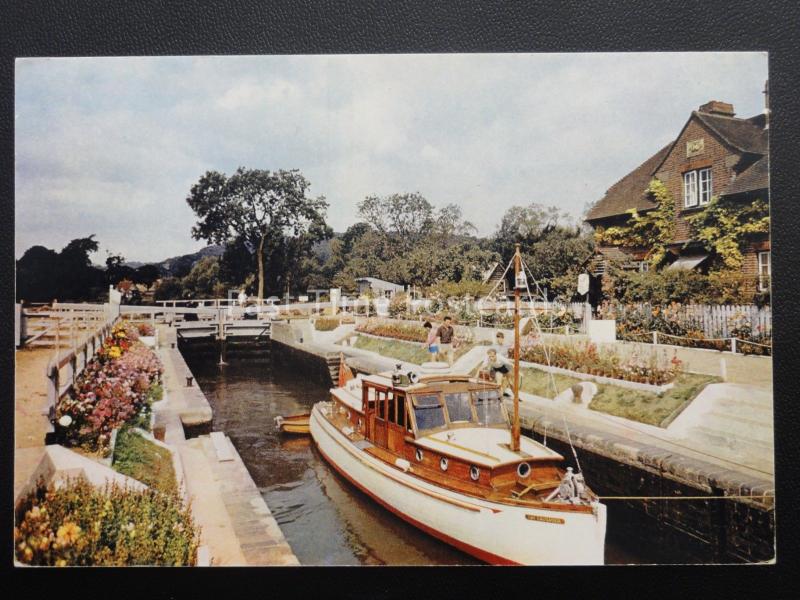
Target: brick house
(714,154)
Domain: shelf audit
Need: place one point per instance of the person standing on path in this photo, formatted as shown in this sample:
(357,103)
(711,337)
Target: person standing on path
(431,343)
(445,334)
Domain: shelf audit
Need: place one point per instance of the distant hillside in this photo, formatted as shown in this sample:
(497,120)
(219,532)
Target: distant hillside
(179,266)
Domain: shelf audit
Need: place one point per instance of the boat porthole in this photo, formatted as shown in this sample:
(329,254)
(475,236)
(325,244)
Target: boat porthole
(523,470)
(474,473)
(443,464)
(418,454)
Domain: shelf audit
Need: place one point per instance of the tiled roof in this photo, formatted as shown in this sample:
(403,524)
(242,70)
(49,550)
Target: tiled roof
(614,253)
(742,134)
(755,177)
(630,191)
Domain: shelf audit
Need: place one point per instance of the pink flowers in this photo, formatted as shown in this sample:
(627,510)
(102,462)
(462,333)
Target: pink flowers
(112,388)
(586,358)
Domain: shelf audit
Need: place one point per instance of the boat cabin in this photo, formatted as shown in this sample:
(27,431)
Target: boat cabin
(442,427)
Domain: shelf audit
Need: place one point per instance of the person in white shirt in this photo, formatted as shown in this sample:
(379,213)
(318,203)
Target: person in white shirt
(500,344)
(498,367)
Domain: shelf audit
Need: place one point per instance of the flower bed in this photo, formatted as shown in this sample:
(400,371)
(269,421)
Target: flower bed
(681,328)
(407,333)
(78,524)
(145,329)
(326,323)
(116,386)
(655,369)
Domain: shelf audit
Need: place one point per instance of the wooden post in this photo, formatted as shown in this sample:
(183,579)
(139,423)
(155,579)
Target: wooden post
(733,345)
(655,338)
(515,430)
(52,390)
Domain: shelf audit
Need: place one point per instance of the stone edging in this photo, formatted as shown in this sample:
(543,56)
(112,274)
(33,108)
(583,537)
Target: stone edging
(697,473)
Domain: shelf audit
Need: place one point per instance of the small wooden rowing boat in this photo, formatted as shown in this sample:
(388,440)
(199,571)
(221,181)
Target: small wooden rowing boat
(293,423)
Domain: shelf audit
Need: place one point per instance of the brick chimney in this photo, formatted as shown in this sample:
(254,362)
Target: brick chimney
(715,107)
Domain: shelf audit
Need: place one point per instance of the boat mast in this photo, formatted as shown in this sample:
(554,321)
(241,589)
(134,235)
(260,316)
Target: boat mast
(515,430)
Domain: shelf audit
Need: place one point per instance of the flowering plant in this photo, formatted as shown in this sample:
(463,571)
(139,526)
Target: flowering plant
(78,524)
(399,331)
(145,329)
(655,368)
(113,388)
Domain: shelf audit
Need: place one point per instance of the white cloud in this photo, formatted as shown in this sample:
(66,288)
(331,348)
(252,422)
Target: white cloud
(112,145)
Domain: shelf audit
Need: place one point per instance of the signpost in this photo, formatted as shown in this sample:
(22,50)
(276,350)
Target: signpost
(583,284)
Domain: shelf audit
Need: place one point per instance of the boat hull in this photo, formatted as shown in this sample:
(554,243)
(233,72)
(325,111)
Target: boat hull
(296,424)
(493,532)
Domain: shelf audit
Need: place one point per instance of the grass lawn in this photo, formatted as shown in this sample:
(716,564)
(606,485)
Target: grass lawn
(537,382)
(648,407)
(405,351)
(143,460)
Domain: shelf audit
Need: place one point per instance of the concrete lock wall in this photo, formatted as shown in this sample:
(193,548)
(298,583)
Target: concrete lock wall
(700,531)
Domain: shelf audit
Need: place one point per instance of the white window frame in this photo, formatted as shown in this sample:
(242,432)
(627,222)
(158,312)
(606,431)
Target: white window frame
(697,187)
(644,266)
(763,278)
(690,189)
(704,185)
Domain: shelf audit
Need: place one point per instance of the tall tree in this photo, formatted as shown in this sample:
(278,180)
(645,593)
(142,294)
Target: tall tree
(256,206)
(43,274)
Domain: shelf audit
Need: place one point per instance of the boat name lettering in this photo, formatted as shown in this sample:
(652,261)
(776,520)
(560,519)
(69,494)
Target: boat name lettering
(555,520)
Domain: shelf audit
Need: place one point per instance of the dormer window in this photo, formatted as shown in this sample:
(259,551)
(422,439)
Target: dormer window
(697,187)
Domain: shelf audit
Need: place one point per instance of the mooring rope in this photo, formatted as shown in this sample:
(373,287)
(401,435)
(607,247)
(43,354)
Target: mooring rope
(732,497)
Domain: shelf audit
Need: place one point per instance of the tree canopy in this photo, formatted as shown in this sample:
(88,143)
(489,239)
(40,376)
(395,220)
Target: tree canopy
(257,207)
(44,274)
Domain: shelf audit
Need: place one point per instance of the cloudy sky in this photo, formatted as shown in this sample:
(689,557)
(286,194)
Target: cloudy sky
(111,146)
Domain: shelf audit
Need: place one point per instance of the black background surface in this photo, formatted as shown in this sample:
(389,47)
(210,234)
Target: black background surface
(58,28)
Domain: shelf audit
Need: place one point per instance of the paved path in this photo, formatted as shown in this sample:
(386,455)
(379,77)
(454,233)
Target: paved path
(240,529)
(236,524)
(30,396)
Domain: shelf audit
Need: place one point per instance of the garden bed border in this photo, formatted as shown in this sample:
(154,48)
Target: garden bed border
(633,385)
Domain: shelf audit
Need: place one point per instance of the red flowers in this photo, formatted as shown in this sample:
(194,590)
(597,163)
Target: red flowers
(112,389)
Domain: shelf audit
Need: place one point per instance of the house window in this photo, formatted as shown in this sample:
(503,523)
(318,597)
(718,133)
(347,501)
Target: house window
(644,266)
(697,187)
(764,271)
(705,186)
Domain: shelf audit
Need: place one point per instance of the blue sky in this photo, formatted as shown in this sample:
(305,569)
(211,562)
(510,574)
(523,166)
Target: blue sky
(111,146)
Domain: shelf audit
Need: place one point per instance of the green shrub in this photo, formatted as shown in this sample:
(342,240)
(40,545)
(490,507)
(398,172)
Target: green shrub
(79,524)
(326,323)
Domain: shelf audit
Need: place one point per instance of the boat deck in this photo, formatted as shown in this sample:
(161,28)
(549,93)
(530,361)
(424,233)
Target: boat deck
(485,446)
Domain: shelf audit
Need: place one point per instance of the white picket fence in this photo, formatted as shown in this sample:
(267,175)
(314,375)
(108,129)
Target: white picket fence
(715,321)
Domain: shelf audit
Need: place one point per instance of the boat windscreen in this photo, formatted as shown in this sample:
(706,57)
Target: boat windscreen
(458,407)
(428,412)
(489,407)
